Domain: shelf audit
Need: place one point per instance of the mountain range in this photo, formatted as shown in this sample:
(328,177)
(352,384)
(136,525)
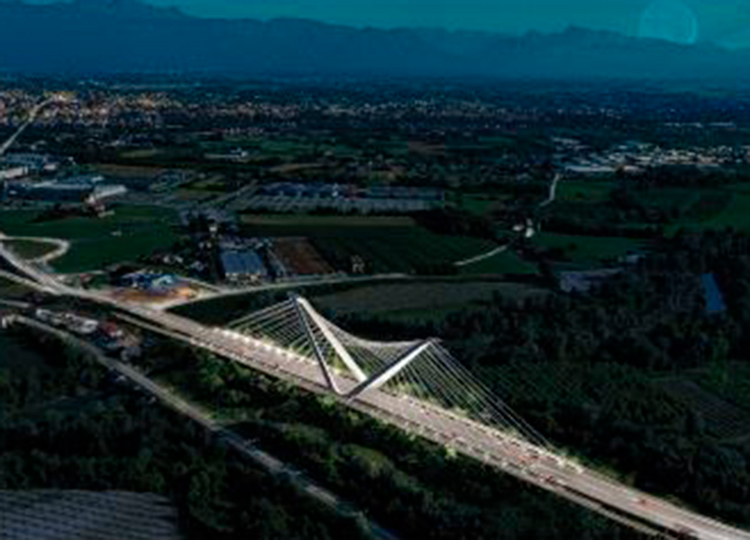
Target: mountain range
(128,36)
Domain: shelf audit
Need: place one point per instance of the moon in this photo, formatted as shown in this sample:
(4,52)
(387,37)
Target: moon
(669,20)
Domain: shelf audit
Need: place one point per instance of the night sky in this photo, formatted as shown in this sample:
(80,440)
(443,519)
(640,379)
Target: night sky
(720,21)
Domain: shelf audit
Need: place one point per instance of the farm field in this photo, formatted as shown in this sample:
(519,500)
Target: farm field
(386,244)
(722,418)
(286,148)
(584,191)
(221,311)
(592,203)
(735,215)
(300,257)
(589,249)
(394,298)
(137,230)
(132,515)
(480,205)
(503,263)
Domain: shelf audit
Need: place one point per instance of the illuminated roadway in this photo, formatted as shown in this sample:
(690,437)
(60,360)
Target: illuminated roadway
(517,457)
(30,120)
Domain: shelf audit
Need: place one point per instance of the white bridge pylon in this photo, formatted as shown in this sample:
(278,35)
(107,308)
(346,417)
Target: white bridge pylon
(422,371)
(388,371)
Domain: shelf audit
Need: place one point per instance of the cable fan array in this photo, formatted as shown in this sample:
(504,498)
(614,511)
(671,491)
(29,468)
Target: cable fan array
(422,369)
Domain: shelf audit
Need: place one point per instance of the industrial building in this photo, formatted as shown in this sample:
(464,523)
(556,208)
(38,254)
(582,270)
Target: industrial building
(245,265)
(79,189)
(35,163)
(12,172)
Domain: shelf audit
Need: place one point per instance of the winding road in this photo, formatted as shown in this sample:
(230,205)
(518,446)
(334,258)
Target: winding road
(551,197)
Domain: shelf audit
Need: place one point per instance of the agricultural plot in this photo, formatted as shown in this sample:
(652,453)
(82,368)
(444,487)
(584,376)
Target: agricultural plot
(385,244)
(594,205)
(736,214)
(128,234)
(300,258)
(503,263)
(722,418)
(103,515)
(685,206)
(393,298)
(589,249)
(481,205)
(289,149)
(408,251)
(584,191)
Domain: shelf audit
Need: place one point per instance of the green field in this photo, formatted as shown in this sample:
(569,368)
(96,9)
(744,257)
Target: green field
(28,249)
(386,244)
(736,215)
(480,205)
(128,234)
(503,263)
(589,249)
(286,148)
(584,191)
(427,297)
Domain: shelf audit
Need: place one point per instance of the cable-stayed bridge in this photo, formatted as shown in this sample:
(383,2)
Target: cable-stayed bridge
(350,367)
(419,387)
(415,385)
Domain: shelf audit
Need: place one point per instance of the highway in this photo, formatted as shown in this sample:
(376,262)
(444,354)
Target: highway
(517,457)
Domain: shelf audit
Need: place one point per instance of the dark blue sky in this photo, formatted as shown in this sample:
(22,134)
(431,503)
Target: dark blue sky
(723,21)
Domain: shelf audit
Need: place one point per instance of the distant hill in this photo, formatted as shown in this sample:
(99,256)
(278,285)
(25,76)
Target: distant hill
(116,36)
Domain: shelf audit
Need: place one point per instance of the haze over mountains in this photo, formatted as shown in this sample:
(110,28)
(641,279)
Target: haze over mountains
(116,36)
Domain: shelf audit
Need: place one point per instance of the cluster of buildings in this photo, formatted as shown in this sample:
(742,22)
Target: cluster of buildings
(28,176)
(635,157)
(82,189)
(260,259)
(75,324)
(21,165)
(107,335)
(345,198)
